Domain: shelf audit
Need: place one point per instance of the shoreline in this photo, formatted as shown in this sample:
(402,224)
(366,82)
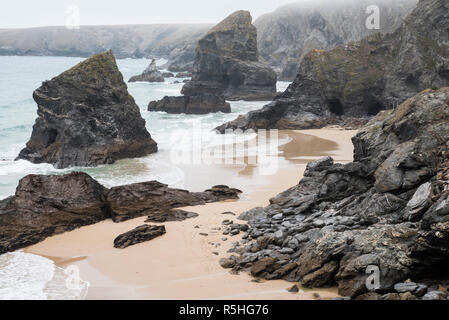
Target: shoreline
(184,264)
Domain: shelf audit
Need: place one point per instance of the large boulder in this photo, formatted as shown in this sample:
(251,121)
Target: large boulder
(389,209)
(362,78)
(150,74)
(227,63)
(199,104)
(140,199)
(48,205)
(86,117)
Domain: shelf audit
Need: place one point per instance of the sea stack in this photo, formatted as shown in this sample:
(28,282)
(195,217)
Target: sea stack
(226,67)
(358,80)
(86,117)
(151,74)
(227,63)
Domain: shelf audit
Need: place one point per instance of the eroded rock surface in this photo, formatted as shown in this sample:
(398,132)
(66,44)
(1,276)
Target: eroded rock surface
(138,235)
(389,209)
(360,79)
(86,117)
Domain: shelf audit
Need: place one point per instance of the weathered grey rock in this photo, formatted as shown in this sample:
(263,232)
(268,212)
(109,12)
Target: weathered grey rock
(435,295)
(199,104)
(150,74)
(349,217)
(138,235)
(86,117)
(419,202)
(362,78)
(405,287)
(227,63)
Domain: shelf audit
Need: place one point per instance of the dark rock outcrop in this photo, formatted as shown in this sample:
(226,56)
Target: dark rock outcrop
(86,117)
(49,205)
(171,215)
(388,209)
(199,104)
(44,206)
(227,63)
(138,235)
(150,74)
(362,78)
(286,35)
(141,199)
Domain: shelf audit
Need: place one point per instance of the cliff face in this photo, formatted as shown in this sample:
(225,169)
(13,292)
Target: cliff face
(388,209)
(289,33)
(362,78)
(227,62)
(130,41)
(86,117)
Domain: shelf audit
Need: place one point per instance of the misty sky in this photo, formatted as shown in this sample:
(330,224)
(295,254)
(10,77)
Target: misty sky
(26,13)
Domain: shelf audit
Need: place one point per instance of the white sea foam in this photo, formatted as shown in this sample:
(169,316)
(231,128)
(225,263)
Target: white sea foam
(25,276)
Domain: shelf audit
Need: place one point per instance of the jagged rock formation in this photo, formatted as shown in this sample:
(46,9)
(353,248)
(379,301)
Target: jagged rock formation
(389,208)
(199,104)
(127,41)
(227,63)
(150,74)
(226,66)
(44,206)
(48,205)
(286,35)
(141,199)
(362,78)
(138,235)
(86,117)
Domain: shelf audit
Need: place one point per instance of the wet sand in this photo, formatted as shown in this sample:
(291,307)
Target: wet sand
(183,264)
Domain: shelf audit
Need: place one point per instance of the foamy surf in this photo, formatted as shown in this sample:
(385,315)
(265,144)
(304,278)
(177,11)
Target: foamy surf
(25,276)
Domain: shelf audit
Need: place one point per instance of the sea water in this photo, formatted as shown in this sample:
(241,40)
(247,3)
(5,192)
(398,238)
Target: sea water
(27,276)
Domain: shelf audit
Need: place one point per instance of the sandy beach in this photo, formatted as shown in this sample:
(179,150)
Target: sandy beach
(183,264)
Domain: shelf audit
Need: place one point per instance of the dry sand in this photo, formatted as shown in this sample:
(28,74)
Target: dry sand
(183,264)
